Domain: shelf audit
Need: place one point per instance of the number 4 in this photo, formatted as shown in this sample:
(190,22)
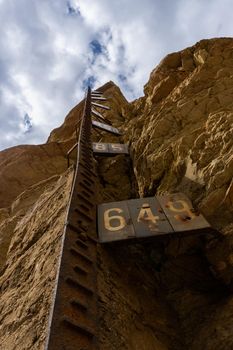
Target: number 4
(146,214)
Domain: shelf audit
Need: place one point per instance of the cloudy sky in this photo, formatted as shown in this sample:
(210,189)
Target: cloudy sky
(51,49)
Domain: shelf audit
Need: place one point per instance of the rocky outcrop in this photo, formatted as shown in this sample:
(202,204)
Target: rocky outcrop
(166,294)
(24,166)
(119,108)
(181,135)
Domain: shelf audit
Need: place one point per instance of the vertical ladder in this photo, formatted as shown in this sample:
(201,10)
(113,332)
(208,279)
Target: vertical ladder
(73,319)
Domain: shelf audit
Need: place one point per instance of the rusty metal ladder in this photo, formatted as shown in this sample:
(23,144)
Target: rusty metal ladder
(73,319)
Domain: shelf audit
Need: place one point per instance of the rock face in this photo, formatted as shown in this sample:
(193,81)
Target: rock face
(185,126)
(28,280)
(169,294)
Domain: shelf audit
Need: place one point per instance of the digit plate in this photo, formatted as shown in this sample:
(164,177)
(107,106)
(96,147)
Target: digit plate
(181,214)
(148,217)
(99,147)
(118,148)
(114,222)
(109,149)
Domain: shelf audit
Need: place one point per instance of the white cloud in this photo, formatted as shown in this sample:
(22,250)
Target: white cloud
(50,48)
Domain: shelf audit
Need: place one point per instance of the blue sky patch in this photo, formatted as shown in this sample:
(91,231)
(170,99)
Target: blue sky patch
(122,77)
(96,47)
(71,10)
(90,81)
(27,123)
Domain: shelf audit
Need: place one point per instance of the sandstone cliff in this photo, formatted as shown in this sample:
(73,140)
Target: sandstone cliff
(169,294)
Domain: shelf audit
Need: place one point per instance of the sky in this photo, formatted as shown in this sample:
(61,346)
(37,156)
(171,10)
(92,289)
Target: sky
(50,50)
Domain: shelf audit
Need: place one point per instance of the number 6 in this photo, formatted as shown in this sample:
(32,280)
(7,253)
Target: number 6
(107,219)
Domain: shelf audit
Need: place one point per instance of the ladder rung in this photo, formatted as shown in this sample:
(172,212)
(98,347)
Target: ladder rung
(97,113)
(100,106)
(87,174)
(99,98)
(73,282)
(79,327)
(74,228)
(79,305)
(87,188)
(80,270)
(81,243)
(89,182)
(100,117)
(91,204)
(96,92)
(88,168)
(81,255)
(86,216)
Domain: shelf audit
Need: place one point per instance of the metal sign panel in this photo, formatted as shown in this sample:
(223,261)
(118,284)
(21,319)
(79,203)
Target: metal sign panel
(148,217)
(106,127)
(109,149)
(117,148)
(114,222)
(99,147)
(180,213)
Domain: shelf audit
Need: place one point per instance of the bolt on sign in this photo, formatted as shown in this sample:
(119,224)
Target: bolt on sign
(148,217)
(108,149)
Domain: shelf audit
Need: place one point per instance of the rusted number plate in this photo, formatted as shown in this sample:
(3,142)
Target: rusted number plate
(147,217)
(110,148)
(114,222)
(180,213)
(106,127)
(130,219)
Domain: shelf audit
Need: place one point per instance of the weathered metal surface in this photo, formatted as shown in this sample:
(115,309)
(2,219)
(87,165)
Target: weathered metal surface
(109,149)
(73,320)
(100,106)
(100,148)
(99,116)
(135,218)
(148,217)
(106,127)
(96,92)
(114,222)
(118,148)
(180,213)
(94,96)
